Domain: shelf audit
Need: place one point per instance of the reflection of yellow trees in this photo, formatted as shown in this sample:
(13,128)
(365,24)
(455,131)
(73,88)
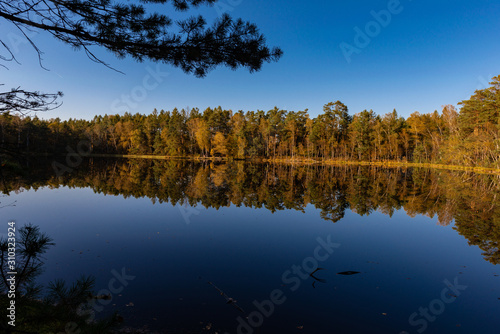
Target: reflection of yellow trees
(471,200)
(198,187)
(219,174)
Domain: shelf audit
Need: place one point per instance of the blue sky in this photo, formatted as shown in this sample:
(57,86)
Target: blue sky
(429,54)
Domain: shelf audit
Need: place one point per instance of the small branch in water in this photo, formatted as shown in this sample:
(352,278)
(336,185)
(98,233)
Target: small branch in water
(229,300)
(321,280)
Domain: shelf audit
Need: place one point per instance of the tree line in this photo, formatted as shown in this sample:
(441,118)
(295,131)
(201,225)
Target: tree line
(467,137)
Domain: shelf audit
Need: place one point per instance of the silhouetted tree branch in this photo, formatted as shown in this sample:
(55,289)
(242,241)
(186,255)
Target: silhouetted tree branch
(130,30)
(31,245)
(21,101)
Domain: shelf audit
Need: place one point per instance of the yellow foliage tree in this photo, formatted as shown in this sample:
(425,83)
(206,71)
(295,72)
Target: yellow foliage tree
(219,144)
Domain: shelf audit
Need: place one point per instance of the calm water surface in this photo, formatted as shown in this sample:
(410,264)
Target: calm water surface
(417,249)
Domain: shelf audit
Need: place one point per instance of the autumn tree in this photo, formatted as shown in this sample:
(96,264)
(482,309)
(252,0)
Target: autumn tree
(202,134)
(219,145)
(480,113)
(174,134)
(238,135)
(276,120)
(392,126)
(479,122)
(417,130)
(295,128)
(336,119)
(361,134)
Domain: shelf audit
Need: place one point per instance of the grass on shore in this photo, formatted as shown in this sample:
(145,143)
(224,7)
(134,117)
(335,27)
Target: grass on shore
(305,161)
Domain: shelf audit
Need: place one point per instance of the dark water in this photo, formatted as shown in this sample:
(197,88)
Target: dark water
(418,248)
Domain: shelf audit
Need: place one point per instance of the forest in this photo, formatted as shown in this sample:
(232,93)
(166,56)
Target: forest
(468,137)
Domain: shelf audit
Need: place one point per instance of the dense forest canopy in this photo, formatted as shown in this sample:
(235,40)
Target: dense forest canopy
(469,137)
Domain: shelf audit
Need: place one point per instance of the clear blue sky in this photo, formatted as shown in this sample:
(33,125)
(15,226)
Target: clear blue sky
(431,53)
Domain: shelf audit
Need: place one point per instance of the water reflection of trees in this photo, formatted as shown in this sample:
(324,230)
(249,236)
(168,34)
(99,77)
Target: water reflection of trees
(469,199)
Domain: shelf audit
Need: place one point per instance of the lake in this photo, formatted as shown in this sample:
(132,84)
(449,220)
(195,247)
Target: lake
(239,247)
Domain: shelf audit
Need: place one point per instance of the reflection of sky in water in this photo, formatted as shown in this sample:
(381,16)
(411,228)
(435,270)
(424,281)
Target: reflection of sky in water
(403,262)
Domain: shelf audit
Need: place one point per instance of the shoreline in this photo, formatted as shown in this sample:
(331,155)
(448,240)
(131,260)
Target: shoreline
(309,161)
(292,161)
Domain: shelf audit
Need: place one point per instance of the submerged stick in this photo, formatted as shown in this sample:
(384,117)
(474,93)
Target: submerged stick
(229,300)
